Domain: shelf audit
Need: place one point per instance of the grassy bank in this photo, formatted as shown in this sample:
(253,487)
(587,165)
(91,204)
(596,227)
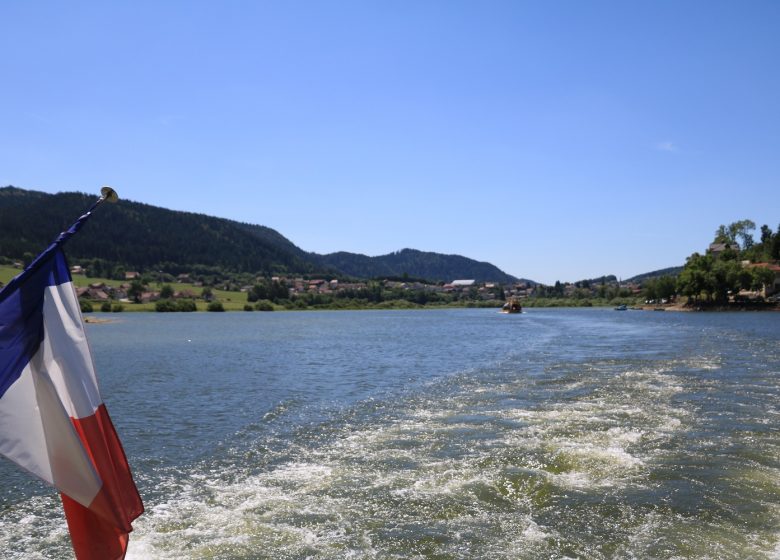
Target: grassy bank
(231,301)
(579,302)
(238,301)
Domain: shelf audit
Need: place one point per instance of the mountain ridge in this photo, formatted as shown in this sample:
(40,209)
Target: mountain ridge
(151,238)
(413,262)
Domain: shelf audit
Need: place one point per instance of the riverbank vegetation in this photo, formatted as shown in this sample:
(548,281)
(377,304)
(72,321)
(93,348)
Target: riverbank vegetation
(735,272)
(735,268)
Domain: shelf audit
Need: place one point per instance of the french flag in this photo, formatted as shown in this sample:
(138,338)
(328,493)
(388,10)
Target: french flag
(53,422)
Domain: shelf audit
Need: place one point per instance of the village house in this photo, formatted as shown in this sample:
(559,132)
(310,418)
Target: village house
(519,290)
(487,293)
(716,249)
(96,287)
(353,286)
(458,285)
(95,292)
(148,297)
(184,294)
(635,289)
(315,285)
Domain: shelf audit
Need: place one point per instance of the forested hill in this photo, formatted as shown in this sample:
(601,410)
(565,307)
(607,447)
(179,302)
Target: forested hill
(146,238)
(416,264)
(671,271)
(142,237)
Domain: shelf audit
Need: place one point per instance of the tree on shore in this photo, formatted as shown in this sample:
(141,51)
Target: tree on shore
(693,280)
(739,231)
(716,278)
(663,287)
(135,291)
(166,292)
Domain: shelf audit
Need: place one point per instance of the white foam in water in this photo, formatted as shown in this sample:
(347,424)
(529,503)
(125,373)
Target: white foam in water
(210,514)
(576,480)
(775,553)
(302,472)
(32,529)
(534,533)
(671,425)
(450,481)
(705,363)
(372,486)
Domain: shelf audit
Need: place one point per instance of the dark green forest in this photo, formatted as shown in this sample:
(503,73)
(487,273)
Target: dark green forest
(140,237)
(419,264)
(148,239)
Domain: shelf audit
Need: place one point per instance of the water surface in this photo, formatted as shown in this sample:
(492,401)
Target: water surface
(452,434)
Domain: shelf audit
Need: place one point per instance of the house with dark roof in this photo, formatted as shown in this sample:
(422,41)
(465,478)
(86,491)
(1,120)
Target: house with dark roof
(716,249)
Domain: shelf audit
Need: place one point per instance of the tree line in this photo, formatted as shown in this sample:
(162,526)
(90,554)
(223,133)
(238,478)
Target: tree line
(713,277)
(268,291)
(709,277)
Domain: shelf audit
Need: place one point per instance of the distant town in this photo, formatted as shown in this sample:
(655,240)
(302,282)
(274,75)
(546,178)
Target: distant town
(299,286)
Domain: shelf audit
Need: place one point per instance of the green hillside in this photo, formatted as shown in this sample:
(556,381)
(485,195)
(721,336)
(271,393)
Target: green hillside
(671,271)
(143,237)
(416,264)
(137,236)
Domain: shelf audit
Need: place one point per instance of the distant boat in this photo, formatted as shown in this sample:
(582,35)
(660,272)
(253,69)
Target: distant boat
(512,306)
(621,308)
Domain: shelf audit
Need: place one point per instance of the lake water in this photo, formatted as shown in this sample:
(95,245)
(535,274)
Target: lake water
(448,434)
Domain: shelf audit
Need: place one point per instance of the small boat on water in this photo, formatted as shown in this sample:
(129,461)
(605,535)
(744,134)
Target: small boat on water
(621,307)
(512,306)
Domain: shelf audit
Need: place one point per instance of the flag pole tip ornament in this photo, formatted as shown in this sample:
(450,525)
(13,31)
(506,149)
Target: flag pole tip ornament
(53,421)
(108,194)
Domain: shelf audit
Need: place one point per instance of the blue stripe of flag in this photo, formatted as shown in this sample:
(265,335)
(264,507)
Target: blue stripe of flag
(21,313)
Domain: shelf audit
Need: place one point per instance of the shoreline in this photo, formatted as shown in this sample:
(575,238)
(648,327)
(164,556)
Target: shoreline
(681,308)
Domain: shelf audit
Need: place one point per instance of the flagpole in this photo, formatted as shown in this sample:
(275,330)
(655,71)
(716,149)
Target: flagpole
(107,194)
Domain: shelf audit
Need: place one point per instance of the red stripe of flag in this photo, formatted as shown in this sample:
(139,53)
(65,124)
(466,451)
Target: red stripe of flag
(100,532)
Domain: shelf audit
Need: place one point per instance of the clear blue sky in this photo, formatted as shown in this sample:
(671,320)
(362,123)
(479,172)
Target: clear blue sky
(557,140)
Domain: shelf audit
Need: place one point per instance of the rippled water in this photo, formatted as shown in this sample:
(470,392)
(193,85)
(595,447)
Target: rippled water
(453,434)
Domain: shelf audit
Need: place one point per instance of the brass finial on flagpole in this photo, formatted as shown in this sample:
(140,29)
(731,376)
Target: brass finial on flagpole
(108,194)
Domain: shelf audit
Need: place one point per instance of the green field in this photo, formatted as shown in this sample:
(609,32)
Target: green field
(236,300)
(7,272)
(231,301)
